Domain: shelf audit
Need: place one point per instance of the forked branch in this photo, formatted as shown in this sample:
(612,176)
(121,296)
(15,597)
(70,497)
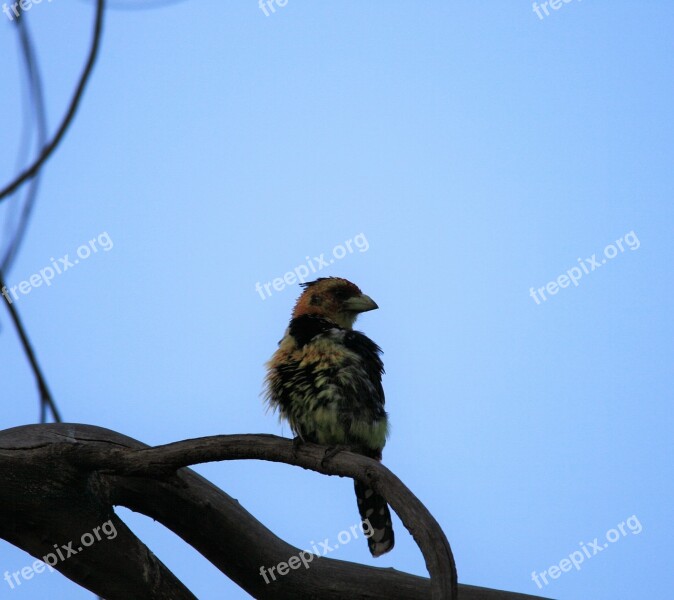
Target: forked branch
(58,481)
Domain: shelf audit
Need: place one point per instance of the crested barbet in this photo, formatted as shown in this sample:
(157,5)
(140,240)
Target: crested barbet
(325,380)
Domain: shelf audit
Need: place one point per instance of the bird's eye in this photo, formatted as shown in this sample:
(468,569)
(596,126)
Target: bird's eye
(341,294)
(315,299)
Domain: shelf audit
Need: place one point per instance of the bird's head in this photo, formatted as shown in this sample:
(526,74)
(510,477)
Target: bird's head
(335,299)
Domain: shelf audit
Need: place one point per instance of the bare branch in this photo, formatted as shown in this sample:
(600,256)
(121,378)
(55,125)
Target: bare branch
(62,471)
(46,399)
(414,515)
(47,151)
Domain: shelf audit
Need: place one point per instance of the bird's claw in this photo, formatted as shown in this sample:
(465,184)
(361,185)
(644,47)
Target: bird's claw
(333,451)
(297,444)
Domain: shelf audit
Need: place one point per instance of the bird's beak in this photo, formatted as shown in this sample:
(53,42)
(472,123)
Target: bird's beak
(359,304)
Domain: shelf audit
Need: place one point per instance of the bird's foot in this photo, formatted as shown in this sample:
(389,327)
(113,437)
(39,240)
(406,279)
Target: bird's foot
(297,444)
(333,451)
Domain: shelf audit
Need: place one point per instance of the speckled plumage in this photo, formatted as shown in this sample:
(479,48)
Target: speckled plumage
(325,380)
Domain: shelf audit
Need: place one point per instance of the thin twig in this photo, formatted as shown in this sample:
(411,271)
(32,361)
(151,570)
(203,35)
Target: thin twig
(46,399)
(37,99)
(46,152)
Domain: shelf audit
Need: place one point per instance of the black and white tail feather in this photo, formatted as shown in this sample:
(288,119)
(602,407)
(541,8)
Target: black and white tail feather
(374,509)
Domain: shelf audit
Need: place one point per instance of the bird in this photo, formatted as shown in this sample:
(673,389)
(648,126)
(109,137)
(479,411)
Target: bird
(324,379)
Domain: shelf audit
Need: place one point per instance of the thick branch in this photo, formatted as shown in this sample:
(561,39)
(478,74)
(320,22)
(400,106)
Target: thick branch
(414,515)
(48,503)
(215,524)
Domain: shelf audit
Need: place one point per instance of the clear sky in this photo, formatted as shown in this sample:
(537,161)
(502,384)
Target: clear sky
(471,151)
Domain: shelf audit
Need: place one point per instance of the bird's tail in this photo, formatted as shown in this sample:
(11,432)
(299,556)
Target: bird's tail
(375,512)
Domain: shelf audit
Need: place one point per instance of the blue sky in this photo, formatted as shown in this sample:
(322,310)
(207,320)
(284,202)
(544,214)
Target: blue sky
(480,151)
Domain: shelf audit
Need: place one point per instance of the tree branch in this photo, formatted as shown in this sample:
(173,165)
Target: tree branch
(414,515)
(83,470)
(47,151)
(46,399)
